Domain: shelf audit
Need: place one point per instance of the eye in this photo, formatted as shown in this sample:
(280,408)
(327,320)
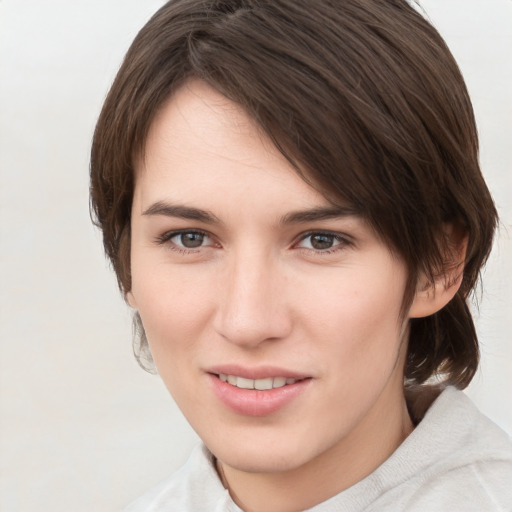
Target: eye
(190,239)
(321,241)
(187,239)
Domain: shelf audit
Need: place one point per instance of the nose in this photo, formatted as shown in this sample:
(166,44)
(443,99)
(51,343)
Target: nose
(252,306)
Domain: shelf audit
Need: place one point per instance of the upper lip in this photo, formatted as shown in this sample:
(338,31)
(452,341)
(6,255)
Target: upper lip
(256,372)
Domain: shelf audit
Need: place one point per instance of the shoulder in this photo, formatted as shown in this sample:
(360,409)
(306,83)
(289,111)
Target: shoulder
(195,487)
(481,485)
(456,460)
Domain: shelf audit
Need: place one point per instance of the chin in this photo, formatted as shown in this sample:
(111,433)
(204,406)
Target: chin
(263,461)
(271,455)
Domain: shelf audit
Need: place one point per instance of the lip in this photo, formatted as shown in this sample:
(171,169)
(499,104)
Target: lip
(252,402)
(260,372)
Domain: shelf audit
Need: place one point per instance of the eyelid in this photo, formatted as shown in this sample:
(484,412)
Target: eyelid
(165,238)
(343,239)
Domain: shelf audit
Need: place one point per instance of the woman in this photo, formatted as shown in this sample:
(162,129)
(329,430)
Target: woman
(290,195)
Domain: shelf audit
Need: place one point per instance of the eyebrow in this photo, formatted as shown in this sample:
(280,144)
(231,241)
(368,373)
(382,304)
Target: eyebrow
(317,214)
(182,212)
(297,217)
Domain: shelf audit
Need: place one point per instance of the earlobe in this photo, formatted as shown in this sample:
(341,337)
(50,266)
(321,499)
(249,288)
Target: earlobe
(432,296)
(131,300)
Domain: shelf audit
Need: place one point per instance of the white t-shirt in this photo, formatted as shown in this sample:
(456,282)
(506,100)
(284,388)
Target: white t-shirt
(455,460)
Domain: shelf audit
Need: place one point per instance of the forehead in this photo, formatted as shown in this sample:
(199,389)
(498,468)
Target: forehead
(200,142)
(197,116)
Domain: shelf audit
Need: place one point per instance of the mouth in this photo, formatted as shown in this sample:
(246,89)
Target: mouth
(258,384)
(257,392)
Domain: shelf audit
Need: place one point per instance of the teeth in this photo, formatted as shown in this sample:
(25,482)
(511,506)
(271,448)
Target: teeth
(263,383)
(279,382)
(244,383)
(260,384)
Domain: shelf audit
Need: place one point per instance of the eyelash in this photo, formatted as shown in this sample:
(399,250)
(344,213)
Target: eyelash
(343,241)
(165,239)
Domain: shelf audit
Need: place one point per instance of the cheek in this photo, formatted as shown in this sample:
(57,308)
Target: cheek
(174,317)
(174,307)
(357,339)
(356,318)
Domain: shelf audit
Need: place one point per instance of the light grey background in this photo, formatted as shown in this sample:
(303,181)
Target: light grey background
(82,427)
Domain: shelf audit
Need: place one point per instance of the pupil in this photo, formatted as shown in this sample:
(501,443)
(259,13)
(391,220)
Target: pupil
(191,240)
(322,241)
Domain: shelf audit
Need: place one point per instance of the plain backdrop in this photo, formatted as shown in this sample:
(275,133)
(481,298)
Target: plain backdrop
(83,428)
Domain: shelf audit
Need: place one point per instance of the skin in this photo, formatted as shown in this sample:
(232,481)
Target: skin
(257,292)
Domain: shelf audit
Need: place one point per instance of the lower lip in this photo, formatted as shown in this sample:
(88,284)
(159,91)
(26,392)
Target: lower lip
(254,402)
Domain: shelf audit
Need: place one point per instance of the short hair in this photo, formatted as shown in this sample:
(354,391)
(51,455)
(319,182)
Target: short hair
(362,97)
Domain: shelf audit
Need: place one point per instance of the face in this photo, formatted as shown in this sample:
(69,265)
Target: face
(246,277)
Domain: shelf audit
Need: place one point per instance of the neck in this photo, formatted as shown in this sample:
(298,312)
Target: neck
(353,458)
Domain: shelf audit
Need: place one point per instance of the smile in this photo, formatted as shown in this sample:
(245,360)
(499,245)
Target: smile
(259,384)
(257,397)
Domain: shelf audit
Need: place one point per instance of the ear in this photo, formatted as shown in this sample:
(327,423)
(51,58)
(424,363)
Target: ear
(130,299)
(430,296)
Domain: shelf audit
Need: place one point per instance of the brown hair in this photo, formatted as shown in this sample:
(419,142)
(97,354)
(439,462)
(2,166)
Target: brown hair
(365,100)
